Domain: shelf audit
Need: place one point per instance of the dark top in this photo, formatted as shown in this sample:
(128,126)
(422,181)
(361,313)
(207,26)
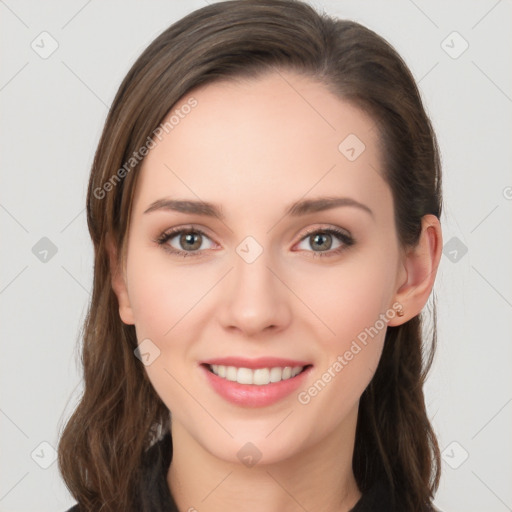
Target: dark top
(155,495)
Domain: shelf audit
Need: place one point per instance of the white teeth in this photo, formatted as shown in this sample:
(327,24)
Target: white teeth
(244,376)
(296,370)
(276,374)
(260,376)
(230,373)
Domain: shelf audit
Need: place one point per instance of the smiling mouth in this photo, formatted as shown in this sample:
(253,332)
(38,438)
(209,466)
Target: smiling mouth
(259,376)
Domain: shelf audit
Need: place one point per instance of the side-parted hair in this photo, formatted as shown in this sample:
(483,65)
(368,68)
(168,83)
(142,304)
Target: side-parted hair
(120,415)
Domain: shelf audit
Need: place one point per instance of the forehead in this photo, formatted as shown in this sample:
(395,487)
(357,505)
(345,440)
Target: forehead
(254,144)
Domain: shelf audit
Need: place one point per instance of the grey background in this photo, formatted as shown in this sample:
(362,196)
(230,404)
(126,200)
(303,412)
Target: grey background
(52,112)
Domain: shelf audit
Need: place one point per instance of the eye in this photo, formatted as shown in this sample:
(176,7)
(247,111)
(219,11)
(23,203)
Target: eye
(190,241)
(326,241)
(185,241)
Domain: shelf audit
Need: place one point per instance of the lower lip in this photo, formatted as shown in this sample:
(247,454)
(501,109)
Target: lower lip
(252,395)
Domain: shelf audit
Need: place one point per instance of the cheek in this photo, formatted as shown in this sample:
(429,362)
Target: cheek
(347,298)
(164,298)
(162,293)
(351,300)
(350,357)
(168,302)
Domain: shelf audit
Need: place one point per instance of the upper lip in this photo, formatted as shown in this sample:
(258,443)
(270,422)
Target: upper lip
(260,362)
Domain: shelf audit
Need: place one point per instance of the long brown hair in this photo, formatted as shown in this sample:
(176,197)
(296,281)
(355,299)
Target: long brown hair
(120,415)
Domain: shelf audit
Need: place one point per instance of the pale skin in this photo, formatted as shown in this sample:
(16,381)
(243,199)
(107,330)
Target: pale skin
(253,148)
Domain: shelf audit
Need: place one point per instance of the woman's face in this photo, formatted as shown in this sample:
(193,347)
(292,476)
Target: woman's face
(261,281)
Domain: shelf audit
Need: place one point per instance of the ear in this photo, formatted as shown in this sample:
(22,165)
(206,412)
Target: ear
(119,283)
(419,270)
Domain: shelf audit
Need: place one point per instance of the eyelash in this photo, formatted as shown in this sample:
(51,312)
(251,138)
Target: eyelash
(342,236)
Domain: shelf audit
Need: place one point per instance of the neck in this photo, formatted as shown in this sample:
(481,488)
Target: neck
(317,478)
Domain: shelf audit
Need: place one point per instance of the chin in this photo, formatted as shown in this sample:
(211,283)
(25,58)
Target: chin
(250,446)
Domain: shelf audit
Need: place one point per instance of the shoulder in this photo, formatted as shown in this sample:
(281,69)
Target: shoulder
(378,497)
(153,490)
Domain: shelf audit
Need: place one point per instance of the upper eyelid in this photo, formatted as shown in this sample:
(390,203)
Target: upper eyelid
(173,232)
(328,229)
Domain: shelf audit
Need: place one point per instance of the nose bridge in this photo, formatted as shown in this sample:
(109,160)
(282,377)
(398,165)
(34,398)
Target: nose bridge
(254,299)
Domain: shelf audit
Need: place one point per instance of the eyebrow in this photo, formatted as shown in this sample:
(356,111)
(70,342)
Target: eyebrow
(296,209)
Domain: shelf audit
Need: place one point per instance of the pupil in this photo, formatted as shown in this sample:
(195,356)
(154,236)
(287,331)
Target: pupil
(319,237)
(188,239)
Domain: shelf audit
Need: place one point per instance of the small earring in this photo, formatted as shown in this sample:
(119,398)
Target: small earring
(400,312)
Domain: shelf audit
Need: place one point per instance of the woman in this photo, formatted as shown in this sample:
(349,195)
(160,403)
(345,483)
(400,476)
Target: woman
(264,204)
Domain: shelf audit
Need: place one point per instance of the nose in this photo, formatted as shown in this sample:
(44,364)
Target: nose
(254,301)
